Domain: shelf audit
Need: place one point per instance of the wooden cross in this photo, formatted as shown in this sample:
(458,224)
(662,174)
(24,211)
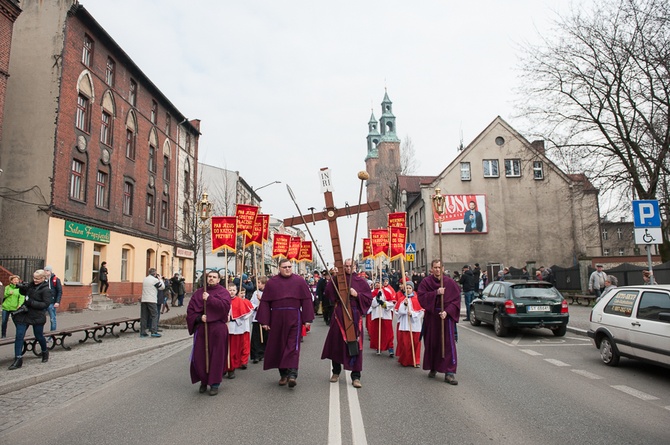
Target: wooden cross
(331,214)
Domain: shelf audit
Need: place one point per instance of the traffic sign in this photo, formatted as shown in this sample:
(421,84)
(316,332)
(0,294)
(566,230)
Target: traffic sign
(409,258)
(410,248)
(369,264)
(648,235)
(646,213)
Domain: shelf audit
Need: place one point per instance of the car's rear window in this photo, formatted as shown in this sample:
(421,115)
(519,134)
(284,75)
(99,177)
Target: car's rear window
(534,291)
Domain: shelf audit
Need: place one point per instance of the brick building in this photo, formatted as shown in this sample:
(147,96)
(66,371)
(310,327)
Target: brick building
(99,164)
(9,11)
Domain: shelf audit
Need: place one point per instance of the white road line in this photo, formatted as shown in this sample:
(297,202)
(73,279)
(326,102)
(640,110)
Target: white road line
(517,340)
(588,375)
(474,331)
(357,426)
(530,352)
(334,425)
(555,362)
(667,407)
(634,392)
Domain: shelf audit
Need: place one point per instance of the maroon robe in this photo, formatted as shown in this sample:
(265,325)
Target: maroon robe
(286,305)
(218,308)
(430,301)
(335,347)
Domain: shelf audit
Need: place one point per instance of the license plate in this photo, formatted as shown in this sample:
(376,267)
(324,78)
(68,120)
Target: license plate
(538,309)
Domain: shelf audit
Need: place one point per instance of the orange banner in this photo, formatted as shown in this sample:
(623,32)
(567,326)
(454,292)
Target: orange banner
(294,248)
(380,242)
(256,238)
(280,244)
(305,251)
(397,219)
(398,239)
(266,226)
(367,248)
(224,233)
(246,216)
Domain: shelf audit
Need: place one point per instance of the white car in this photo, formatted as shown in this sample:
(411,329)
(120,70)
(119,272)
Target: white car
(633,322)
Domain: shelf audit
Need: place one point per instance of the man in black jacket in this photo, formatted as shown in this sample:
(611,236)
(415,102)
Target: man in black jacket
(467,281)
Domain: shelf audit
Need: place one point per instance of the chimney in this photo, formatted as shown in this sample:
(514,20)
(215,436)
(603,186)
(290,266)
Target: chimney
(538,145)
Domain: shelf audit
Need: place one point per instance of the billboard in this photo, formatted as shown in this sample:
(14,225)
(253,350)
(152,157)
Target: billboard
(462,214)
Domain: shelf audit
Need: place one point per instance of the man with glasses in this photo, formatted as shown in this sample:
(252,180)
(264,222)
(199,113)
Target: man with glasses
(336,347)
(285,307)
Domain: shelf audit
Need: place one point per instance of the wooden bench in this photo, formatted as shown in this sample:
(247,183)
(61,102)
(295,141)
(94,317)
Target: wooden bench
(109,325)
(59,336)
(579,298)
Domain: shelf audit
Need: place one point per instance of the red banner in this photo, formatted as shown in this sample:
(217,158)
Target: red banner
(224,233)
(380,242)
(305,251)
(246,216)
(266,226)
(294,248)
(256,238)
(280,244)
(398,239)
(397,219)
(367,248)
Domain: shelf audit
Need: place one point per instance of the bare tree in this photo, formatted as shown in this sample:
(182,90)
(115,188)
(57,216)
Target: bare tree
(598,89)
(408,166)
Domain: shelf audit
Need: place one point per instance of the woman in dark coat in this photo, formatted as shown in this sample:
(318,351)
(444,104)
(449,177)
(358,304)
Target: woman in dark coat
(33,312)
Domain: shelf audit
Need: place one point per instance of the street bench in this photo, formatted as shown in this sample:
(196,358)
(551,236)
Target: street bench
(109,325)
(588,300)
(59,336)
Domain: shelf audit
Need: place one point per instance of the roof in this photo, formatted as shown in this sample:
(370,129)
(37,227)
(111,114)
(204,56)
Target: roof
(412,184)
(581,177)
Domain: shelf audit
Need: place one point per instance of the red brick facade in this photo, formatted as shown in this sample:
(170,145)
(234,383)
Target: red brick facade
(9,11)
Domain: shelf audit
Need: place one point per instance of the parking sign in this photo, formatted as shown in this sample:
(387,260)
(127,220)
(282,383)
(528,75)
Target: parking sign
(646,213)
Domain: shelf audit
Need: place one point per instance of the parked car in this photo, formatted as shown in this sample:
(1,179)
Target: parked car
(520,304)
(633,322)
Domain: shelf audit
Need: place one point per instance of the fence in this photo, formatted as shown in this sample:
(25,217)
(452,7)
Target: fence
(22,266)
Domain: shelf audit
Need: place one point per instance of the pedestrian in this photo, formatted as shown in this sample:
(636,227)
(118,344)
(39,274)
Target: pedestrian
(248,286)
(381,319)
(239,331)
(440,296)
(597,281)
(12,301)
(285,308)
(167,296)
(409,314)
(206,317)
(326,305)
(33,312)
(336,346)
(179,289)
(103,274)
(258,340)
(148,304)
(469,285)
(56,288)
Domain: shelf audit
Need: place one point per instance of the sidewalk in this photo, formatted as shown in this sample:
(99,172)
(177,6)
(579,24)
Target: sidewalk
(85,355)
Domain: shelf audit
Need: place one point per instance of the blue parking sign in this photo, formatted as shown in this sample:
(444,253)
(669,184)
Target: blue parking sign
(646,213)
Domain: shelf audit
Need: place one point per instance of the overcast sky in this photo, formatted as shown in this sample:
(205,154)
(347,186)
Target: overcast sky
(286,87)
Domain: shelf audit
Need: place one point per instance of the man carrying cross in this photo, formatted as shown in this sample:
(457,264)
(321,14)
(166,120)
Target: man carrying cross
(336,346)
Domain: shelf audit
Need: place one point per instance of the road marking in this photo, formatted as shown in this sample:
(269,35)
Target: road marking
(475,331)
(357,427)
(555,362)
(634,392)
(667,407)
(530,352)
(334,425)
(588,375)
(517,340)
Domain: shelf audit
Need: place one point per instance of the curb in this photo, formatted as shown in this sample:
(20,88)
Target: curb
(16,385)
(577,331)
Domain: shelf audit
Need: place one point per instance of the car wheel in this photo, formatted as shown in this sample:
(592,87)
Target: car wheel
(560,331)
(498,328)
(608,352)
(473,318)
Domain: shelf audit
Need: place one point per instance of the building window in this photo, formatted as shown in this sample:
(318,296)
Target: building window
(73,255)
(538,171)
(127,198)
(168,123)
(81,119)
(132,94)
(130,144)
(125,254)
(166,168)
(106,129)
(187,178)
(512,168)
(606,252)
(77,180)
(491,168)
(622,251)
(605,234)
(151,209)
(87,51)
(619,233)
(164,214)
(154,111)
(187,220)
(188,143)
(101,190)
(152,159)
(421,216)
(109,74)
(465,171)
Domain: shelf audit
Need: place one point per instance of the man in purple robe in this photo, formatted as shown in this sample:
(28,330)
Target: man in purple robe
(210,307)
(335,348)
(430,293)
(286,306)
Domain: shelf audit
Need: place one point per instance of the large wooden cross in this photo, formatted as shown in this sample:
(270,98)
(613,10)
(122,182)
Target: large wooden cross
(331,213)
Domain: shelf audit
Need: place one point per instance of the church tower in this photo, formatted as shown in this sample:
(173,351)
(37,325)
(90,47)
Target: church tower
(382,163)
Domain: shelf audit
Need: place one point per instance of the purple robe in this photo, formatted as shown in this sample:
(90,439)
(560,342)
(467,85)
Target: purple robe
(430,301)
(285,305)
(335,347)
(218,308)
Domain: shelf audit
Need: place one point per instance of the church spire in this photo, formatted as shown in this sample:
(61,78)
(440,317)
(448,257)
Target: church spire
(387,120)
(373,137)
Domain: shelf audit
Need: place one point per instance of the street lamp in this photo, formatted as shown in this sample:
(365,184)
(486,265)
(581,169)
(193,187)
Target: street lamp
(266,185)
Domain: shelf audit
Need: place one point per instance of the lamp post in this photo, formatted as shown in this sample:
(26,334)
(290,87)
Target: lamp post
(438,207)
(266,185)
(205,212)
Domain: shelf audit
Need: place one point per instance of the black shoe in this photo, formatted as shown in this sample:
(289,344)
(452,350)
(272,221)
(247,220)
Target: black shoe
(45,356)
(254,360)
(214,390)
(243,366)
(431,374)
(450,379)
(231,374)
(202,389)
(18,362)
(292,382)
